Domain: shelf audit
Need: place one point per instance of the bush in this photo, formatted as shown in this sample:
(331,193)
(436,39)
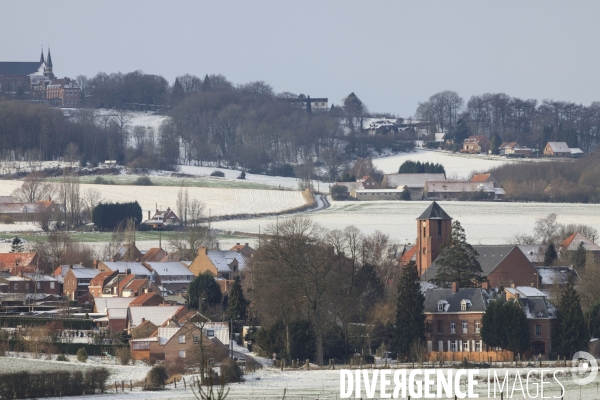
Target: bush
(111,214)
(242,175)
(143,181)
(176,368)
(230,371)
(23,384)
(156,377)
(100,181)
(220,174)
(82,355)
(339,192)
(61,357)
(7,219)
(123,354)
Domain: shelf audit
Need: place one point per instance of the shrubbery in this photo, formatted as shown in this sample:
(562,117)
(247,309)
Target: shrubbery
(109,215)
(23,384)
(61,357)
(143,181)
(231,371)
(339,192)
(123,354)
(219,174)
(156,377)
(82,355)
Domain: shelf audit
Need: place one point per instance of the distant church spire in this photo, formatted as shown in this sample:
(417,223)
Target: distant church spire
(49,58)
(42,56)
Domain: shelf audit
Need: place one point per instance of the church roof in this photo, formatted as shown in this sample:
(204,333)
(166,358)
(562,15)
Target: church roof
(434,211)
(19,68)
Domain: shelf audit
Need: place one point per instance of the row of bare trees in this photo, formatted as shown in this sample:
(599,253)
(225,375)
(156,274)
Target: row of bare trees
(528,121)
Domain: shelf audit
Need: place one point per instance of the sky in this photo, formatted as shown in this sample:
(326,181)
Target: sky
(391,54)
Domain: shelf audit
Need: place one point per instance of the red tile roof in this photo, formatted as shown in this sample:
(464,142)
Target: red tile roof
(142,299)
(480,177)
(408,255)
(100,279)
(153,254)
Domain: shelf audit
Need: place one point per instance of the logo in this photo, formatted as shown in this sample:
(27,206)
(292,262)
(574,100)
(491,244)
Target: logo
(583,364)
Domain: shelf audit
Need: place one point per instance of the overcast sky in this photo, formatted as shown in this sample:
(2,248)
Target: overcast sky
(392,54)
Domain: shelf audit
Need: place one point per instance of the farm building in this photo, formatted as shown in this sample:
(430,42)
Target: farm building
(414,182)
(376,194)
(557,149)
(476,145)
(444,190)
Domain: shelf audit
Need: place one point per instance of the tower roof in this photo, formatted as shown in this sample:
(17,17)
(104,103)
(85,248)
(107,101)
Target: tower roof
(434,211)
(49,61)
(42,56)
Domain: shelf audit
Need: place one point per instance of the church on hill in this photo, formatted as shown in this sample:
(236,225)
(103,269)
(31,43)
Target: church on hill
(36,80)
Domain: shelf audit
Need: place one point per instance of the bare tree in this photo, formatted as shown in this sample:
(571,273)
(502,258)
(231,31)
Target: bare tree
(183,199)
(91,198)
(33,189)
(545,229)
(187,241)
(71,153)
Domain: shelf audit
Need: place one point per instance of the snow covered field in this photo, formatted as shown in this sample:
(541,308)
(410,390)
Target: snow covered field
(457,166)
(325,384)
(484,222)
(218,201)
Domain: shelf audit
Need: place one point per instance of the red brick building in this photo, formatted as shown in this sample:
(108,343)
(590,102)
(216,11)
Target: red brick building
(434,227)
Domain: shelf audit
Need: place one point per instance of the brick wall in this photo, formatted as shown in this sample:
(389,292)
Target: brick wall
(515,268)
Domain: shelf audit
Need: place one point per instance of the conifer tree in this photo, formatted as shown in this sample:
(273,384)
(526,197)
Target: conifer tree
(516,328)
(410,319)
(204,292)
(405,195)
(457,261)
(178,92)
(237,305)
(579,257)
(550,255)
(572,334)
(16,246)
(492,329)
(206,84)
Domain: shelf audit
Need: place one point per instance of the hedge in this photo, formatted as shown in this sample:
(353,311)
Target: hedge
(23,384)
(110,215)
(12,321)
(71,348)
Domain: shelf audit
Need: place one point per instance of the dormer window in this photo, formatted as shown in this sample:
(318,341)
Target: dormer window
(465,305)
(442,305)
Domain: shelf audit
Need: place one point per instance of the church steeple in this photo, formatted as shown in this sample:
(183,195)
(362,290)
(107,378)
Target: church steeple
(49,63)
(48,66)
(42,56)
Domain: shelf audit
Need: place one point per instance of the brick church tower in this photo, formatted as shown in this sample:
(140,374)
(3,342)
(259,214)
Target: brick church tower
(434,227)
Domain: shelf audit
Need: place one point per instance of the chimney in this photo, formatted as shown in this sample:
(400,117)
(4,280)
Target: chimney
(485,285)
(532,284)
(237,244)
(246,244)
(149,217)
(517,295)
(454,287)
(143,319)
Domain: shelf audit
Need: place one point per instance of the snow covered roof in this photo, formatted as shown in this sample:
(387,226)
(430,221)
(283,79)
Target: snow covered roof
(136,268)
(221,259)
(533,252)
(572,243)
(556,275)
(220,330)
(439,137)
(460,186)
(169,268)
(117,313)
(559,147)
(413,181)
(104,303)
(164,334)
(40,277)
(576,150)
(155,314)
(85,273)
(526,291)
(478,298)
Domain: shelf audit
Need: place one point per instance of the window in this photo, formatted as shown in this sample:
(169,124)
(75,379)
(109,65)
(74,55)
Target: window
(478,345)
(196,338)
(39,285)
(440,345)
(464,326)
(477,326)
(463,306)
(440,327)
(51,285)
(424,232)
(439,223)
(452,327)
(465,345)
(181,353)
(428,327)
(181,338)
(210,333)
(453,345)
(16,286)
(538,330)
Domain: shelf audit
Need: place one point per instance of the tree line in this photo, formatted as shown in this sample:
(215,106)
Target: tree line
(528,121)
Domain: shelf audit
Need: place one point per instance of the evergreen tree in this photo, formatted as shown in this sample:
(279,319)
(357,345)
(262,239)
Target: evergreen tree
(460,132)
(237,305)
(492,324)
(516,327)
(410,319)
(178,92)
(571,330)
(457,261)
(16,246)
(579,257)
(206,85)
(205,290)
(550,255)
(405,195)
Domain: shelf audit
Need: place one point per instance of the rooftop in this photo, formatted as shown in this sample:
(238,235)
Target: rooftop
(434,211)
